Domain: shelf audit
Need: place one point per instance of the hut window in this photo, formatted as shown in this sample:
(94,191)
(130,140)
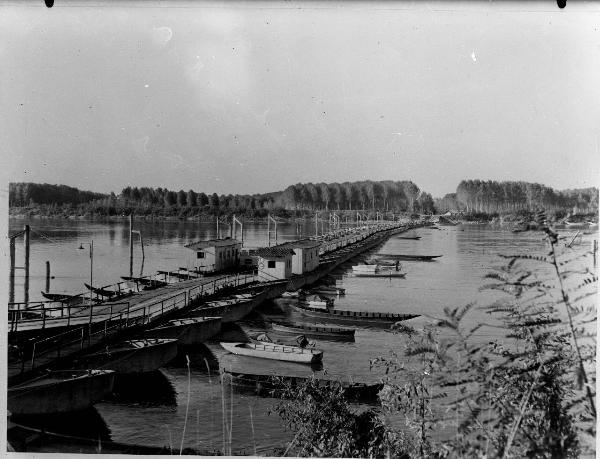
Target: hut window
(200,254)
(271,264)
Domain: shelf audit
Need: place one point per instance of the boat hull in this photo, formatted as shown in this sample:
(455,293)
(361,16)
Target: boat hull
(384,273)
(132,357)
(360,318)
(391,256)
(188,332)
(275,352)
(229,310)
(54,394)
(328,333)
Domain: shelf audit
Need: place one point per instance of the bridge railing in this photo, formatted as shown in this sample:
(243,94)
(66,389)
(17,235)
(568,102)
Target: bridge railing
(41,351)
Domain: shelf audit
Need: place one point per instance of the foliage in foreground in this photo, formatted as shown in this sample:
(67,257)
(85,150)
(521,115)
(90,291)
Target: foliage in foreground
(530,392)
(326,425)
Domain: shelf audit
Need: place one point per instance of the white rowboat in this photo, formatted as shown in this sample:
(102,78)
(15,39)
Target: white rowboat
(275,352)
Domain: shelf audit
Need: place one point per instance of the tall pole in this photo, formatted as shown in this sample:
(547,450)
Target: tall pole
(269,230)
(47,276)
(11,277)
(91,271)
(130,245)
(26,284)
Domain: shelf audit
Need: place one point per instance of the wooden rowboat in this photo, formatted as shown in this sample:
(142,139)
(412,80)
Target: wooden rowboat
(405,257)
(188,331)
(132,357)
(275,352)
(360,318)
(60,392)
(315,331)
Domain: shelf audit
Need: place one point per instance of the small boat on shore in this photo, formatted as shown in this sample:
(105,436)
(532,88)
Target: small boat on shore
(275,352)
(60,392)
(315,331)
(187,331)
(412,238)
(131,357)
(273,385)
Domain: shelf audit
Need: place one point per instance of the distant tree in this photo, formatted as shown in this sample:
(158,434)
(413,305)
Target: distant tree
(170,198)
(191,199)
(202,199)
(213,200)
(181,198)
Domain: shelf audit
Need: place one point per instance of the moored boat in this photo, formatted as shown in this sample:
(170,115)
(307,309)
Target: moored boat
(378,270)
(275,352)
(230,309)
(314,331)
(131,357)
(187,331)
(361,318)
(412,238)
(60,392)
(146,282)
(327,290)
(316,301)
(406,257)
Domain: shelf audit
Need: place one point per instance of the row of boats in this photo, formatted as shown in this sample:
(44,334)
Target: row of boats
(91,376)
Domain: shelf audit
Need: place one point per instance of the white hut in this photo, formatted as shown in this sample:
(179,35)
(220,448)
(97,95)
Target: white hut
(216,254)
(274,262)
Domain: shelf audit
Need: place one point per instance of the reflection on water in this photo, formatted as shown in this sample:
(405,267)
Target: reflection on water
(148,389)
(87,424)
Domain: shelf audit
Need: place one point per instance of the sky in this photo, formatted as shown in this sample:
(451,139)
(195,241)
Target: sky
(253,97)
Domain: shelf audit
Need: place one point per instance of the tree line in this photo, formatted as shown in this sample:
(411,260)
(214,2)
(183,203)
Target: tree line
(297,199)
(480,196)
(24,194)
(472,197)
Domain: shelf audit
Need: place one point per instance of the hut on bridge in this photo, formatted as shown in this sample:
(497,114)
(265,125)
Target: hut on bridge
(306,255)
(216,254)
(274,262)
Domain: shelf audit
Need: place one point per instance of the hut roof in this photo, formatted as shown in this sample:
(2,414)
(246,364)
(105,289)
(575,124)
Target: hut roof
(212,243)
(274,252)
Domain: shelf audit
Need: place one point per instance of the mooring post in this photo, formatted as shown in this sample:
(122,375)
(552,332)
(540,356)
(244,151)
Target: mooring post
(47,276)
(26,283)
(11,283)
(130,245)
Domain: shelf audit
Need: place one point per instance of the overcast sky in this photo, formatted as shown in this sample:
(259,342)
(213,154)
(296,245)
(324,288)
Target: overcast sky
(253,97)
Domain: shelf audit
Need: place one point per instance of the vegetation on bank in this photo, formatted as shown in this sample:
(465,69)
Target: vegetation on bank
(474,200)
(452,392)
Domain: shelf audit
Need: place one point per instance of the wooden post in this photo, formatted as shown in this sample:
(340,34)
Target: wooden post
(130,245)
(11,283)
(47,276)
(26,284)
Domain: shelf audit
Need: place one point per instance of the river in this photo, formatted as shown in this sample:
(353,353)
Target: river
(154,413)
